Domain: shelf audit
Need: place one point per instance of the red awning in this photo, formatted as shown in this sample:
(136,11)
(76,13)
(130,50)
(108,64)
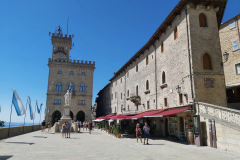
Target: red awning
(168,112)
(120,116)
(108,116)
(145,114)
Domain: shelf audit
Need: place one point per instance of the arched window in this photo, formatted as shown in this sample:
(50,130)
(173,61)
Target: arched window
(175,33)
(202,20)
(137,68)
(206,62)
(82,87)
(71,87)
(59,72)
(121,95)
(163,78)
(162,47)
(59,86)
(147,85)
(147,60)
(137,90)
(128,93)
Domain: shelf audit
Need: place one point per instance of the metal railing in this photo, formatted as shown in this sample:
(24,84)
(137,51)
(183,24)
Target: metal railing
(224,114)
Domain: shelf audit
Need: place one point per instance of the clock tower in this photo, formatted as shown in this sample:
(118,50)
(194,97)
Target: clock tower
(65,73)
(61,45)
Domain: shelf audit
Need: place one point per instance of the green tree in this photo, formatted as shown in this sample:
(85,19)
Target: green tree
(2,123)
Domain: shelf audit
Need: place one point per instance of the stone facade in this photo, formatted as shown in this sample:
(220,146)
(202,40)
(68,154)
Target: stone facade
(229,33)
(63,70)
(227,37)
(167,53)
(103,106)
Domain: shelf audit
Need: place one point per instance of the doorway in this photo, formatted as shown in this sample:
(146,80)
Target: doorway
(56,116)
(81,116)
(166,127)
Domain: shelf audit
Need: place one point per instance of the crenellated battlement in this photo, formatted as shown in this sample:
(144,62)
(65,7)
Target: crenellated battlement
(69,61)
(61,35)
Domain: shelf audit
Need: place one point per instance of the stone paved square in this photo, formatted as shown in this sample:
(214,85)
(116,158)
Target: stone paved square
(101,146)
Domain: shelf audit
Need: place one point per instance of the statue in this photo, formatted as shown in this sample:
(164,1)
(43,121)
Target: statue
(68,98)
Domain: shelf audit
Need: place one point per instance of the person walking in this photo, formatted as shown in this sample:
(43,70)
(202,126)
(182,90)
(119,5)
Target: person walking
(86,125)
(43,125)
(138,133)
(68,124)
(146,130)
(78,124)
(90,127)
(64,126)
(93,125)
(49,126)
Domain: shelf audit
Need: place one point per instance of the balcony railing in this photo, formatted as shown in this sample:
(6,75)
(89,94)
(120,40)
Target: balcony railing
(224,114)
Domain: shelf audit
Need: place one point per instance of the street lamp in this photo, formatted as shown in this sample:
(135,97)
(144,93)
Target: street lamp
(178,89)
(225,56)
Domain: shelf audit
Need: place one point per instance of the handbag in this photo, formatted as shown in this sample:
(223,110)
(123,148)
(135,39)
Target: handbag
(140,131)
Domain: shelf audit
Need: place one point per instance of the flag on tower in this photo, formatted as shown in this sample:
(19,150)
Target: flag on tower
(30,108)
(16,101)
(70,86)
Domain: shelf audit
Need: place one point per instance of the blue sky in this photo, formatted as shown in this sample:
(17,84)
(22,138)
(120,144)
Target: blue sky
(109,32)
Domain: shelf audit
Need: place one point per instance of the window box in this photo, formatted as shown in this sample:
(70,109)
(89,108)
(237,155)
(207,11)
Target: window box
(147,91)
(135,99)
(163,85)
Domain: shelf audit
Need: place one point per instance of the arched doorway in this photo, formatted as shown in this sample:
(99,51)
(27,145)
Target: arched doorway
(56,116)
(71,115)
(81,116)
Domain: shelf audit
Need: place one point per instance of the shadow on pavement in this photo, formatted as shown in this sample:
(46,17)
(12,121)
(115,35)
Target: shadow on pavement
(5,157)
(39,136)
(21,143)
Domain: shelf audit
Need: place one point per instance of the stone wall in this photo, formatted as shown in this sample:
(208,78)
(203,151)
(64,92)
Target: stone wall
(228,138)
(14,131)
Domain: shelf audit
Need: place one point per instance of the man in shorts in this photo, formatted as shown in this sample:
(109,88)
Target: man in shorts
(68,129)
(43,125)
(146,130)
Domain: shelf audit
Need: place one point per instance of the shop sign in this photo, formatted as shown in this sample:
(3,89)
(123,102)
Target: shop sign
(209,82)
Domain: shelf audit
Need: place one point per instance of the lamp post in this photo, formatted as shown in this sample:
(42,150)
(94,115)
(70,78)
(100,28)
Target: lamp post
(225,56)
(178,89)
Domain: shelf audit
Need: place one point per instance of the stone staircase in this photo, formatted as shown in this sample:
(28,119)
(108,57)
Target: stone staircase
(227,123)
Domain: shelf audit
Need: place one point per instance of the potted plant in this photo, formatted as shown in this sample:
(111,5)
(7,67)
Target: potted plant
(107,128)
(117,131)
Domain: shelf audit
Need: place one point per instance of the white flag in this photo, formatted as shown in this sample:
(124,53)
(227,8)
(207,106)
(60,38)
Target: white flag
(16,101)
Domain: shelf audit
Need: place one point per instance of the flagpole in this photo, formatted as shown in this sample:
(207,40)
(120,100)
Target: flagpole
(40,116)
(25,117)
(34,115)
(10,121)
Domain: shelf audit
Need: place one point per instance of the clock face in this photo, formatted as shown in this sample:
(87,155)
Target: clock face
(60,55)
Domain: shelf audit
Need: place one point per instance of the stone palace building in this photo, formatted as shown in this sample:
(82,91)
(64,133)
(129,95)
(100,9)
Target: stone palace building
(179,65)
(178,74)
(62,72)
